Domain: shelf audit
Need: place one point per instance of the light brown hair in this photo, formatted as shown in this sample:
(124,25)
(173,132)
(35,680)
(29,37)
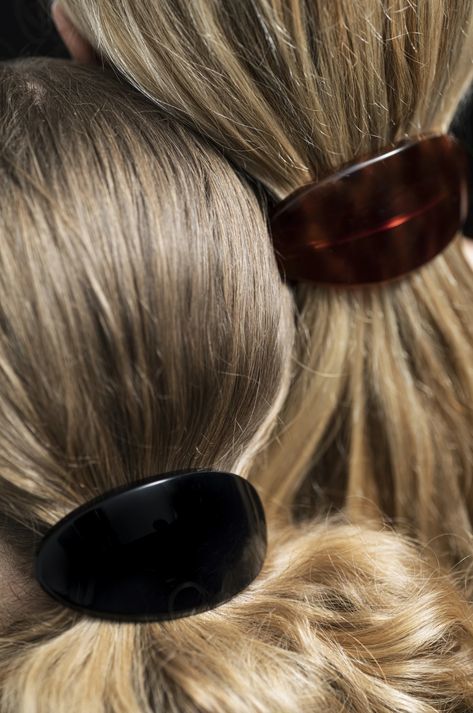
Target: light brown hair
(143,327)
(380,413)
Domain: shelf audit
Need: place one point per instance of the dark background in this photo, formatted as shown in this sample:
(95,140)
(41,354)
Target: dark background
(26,29)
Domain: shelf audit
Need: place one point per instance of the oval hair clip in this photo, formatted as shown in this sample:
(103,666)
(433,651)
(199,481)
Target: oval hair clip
(166,547)
(375,220)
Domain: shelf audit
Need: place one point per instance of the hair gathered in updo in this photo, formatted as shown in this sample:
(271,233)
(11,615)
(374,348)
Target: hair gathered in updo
(143,328)
(380,411)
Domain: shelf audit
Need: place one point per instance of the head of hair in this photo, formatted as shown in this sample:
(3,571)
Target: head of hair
(163,342)
(143,328)
(379,415)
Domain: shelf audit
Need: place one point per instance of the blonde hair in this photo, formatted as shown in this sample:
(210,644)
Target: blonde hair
(146,262)
(380,412)
(144,327)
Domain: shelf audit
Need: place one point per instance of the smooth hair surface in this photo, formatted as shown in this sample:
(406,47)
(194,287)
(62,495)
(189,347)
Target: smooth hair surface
(144,327)
(380,411)
(122,239)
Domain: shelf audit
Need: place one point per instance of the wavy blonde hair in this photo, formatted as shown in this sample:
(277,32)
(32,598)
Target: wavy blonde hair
(144,327)
(380,412)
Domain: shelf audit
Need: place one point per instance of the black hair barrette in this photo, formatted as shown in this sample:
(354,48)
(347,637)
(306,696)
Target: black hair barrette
(169,546)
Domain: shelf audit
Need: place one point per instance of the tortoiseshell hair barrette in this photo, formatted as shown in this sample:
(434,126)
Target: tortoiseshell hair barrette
(377,219)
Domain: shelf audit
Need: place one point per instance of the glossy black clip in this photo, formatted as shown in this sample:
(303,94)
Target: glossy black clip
(166,547)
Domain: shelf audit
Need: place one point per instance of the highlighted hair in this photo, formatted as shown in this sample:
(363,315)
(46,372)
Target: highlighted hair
(144,327)
(380,413)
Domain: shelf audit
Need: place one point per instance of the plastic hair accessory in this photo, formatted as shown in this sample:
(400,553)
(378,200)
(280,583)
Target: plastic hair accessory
(376,220)
(166,547)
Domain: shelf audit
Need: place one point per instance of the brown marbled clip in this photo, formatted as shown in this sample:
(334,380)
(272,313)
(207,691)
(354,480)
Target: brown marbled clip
(375,220)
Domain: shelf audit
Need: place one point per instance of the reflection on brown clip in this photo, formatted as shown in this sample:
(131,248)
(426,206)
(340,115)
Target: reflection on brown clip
(377,220)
